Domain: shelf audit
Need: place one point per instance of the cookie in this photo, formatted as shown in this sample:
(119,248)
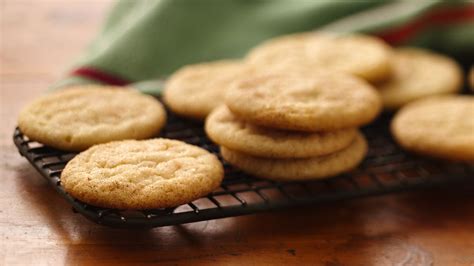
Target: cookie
(227,130)
(321,101)
(303,168)
(364,56)
(76,118)
(419,73)
(142,174)
(194,90)
(440,126)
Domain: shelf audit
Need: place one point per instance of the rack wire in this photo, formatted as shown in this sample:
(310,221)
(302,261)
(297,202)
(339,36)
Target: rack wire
(386,169)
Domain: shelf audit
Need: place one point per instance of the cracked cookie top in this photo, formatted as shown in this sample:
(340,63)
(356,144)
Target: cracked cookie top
(147,174)
(79,117)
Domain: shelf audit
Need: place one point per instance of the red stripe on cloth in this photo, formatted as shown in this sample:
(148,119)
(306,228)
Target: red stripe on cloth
(436,17)
(98,75)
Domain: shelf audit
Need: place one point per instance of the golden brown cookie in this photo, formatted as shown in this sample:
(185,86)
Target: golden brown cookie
(419,73)
(194,90)
(227,130)
(321,101)
(440,126)
(303,168)
(364,56)
(146,174)
(79,117)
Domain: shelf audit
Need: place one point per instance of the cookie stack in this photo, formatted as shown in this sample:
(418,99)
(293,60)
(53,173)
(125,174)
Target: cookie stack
(296,125)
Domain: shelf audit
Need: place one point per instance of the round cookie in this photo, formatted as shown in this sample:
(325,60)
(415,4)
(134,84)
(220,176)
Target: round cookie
(146,174)
(419,73)
(227,130)
(300,169)
(79,117)
(321,101)
(364,56)
(194,90)
(440,126)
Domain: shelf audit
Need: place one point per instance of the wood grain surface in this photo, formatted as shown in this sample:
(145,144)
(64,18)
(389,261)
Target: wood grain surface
(37,227)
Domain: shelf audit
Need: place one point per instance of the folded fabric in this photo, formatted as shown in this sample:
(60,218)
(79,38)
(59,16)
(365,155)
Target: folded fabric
(144,41)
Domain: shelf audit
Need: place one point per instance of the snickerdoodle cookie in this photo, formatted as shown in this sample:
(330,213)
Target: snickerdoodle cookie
(419,73)
(321,101)
(364,56)
(142,174)
(441,126)
(194,90)
(79,117)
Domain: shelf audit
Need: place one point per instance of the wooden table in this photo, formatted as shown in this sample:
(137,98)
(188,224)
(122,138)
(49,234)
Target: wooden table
(39,39)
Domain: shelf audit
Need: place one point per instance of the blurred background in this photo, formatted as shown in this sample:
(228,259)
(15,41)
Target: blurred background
(39,39)
(145,40)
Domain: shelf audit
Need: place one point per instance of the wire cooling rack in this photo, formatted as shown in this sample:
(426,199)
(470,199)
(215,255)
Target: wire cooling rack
(386,169)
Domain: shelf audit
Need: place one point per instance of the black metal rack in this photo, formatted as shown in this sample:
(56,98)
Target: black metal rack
(386,169)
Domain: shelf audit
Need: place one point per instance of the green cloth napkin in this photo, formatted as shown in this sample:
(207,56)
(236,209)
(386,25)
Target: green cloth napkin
(144,41)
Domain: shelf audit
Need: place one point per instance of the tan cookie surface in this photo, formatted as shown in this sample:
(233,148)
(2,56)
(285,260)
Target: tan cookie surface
(360,55)
(441,126)
(300,169)
(146,174)
(321,101)
(194,90)
(227,130)
(419,73)
(79,117)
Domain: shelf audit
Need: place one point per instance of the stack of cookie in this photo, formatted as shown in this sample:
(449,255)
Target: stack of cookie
(285,117)
(294,126)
